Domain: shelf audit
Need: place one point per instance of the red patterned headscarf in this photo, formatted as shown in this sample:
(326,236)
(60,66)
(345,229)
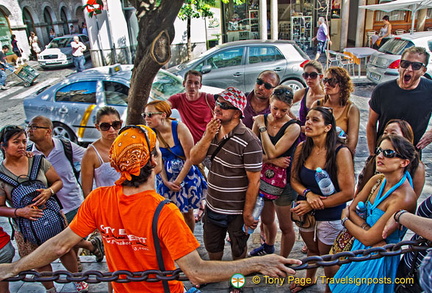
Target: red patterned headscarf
(131,151)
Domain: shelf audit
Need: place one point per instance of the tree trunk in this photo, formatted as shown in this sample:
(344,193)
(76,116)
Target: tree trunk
(155,23)
(189,41)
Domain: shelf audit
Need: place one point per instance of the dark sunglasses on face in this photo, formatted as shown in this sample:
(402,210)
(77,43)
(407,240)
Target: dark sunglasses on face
(387,153)
(105,126)
(225,106)
(312,75)
(150,114)
(268,86)
(414,65)
(331,81)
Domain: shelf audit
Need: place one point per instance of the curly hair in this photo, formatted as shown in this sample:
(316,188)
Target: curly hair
(345,83)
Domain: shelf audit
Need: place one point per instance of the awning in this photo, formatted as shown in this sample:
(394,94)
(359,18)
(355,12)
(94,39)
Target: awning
(409,5)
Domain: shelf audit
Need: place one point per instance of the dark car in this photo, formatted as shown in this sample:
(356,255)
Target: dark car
(239,63)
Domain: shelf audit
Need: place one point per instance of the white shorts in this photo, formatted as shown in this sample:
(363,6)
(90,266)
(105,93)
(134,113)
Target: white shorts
(326,231)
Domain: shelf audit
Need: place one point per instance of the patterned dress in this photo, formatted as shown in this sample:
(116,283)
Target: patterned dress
(194,184)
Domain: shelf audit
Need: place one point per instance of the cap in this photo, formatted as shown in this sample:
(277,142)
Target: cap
(235,96)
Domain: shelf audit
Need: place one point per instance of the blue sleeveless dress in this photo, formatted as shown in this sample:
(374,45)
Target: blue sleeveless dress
(376,275)
(194,184)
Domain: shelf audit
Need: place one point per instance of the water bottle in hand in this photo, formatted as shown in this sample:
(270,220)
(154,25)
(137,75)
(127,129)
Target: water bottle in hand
(259,205)
(324,182)
(361,210)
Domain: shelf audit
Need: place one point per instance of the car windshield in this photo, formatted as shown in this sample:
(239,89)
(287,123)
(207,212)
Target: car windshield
(60,43)
(395,46)
(165,85)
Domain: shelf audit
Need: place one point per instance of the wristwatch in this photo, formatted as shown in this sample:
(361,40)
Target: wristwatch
(262,129)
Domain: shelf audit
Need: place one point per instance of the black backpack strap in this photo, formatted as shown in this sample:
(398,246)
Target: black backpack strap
(156,241)
(219,147)
(67,147)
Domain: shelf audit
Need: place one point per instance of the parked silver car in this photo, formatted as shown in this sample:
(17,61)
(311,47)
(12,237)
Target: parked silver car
(58,52)
(72,103)
(383,65)
(239,63)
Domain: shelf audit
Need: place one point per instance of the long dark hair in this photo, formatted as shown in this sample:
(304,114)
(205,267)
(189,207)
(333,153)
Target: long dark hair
(331,140)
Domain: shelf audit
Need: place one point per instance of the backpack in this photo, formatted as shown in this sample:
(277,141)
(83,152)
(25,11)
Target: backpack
(51,223)
(67,147)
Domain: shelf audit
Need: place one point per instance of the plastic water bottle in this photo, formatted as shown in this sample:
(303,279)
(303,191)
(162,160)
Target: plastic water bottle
(324,182)
(361,210)
(259,205)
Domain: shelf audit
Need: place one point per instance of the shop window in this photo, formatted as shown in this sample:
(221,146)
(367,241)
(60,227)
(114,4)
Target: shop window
(78,92)
(398,15)
(232,57)
(264,54)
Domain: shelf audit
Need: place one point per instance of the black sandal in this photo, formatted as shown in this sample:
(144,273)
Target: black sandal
(98,250)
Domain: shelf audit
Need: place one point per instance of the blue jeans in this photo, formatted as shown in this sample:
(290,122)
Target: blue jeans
(79,63)
(2,77)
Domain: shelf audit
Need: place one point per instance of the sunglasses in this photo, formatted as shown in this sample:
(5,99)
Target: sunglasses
(268,86)
(34,127)
(150,114)
(116,125)
(312,75)
(387,153)
(331,81)
(414,65)
(225,106)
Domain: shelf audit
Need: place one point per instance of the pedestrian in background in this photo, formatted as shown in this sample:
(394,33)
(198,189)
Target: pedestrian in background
(322,36)
(34,46)
(3,65)
(78,49)
(16,49)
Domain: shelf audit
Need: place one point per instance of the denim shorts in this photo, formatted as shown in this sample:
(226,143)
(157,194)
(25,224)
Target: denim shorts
(7,253)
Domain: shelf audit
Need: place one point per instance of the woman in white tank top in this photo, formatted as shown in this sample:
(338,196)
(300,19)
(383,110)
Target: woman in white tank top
(96,170)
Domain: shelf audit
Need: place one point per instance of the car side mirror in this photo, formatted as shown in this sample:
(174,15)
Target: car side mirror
(206,69)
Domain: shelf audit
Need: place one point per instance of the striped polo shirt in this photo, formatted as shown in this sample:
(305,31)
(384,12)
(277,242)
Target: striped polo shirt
(227,179)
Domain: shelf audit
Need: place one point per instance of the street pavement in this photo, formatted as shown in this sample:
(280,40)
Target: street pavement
(263,286)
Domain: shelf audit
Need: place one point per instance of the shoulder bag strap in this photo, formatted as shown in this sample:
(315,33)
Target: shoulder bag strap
(208,104)
(156,241)
(67,147)
(221,144)
(165,145)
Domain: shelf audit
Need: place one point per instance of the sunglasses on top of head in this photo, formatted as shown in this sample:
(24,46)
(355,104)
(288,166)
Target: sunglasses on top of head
(414,65)
(105,126)
(268,86)
(331,81)
(387,153)
(312,75)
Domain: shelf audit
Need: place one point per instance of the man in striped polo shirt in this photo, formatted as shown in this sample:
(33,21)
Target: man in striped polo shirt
(235,154)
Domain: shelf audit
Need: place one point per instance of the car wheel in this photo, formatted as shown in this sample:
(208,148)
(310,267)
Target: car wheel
(61,130)
(294,84)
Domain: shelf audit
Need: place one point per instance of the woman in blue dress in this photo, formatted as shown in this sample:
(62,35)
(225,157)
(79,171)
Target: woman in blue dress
(384,194)
(179,181)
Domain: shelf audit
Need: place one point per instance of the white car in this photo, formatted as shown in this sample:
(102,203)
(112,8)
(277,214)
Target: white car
(383,65)
(58,52)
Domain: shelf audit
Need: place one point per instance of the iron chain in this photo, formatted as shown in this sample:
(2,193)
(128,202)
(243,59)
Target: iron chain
(311,262)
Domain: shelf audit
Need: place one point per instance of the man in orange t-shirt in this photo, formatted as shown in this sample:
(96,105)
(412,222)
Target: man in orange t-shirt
(123,214)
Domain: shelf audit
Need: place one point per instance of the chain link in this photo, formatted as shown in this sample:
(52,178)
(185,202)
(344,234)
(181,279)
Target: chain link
(310,262)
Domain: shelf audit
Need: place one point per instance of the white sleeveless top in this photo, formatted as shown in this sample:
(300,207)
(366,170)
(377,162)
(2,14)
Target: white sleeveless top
(104,175)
